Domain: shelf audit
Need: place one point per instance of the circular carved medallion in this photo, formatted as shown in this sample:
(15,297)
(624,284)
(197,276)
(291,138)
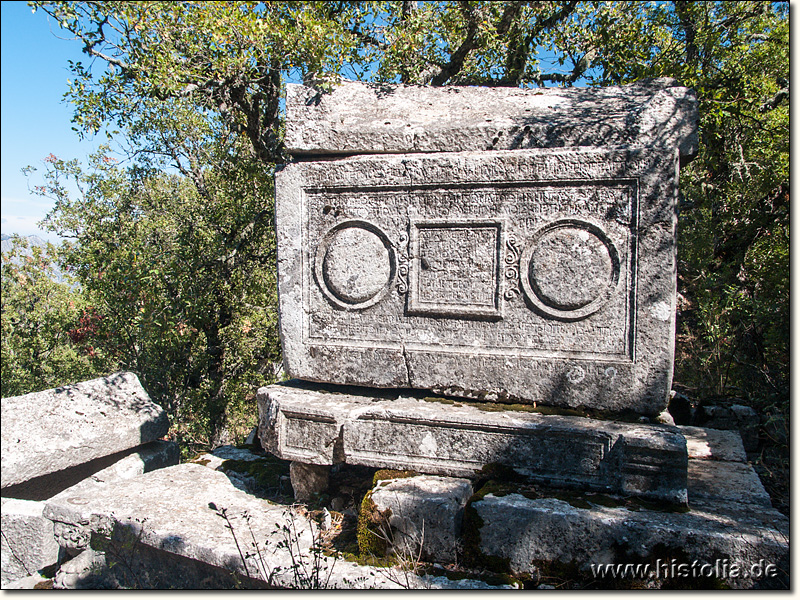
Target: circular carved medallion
(355,264)
(569,269)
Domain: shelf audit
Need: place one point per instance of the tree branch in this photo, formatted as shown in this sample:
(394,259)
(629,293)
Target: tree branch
(458,57)
(775,101)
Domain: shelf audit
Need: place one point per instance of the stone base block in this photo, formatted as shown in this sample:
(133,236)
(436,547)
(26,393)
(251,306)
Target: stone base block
(729,536)
(325,425)
(425,515)
(27,542)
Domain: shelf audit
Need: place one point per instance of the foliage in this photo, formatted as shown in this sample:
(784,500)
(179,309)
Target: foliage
(49,329)
(195,90)
(182,279)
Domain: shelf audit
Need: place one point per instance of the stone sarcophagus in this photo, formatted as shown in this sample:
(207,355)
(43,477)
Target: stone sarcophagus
(496,245)
(536,264)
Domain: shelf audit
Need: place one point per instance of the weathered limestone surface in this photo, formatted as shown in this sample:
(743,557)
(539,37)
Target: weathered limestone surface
(28,583)
(730,519)
(733,482)
(527,531)
(46,432)
(107,469)
(706,443)
(171,513)
(324,427)
(545,276)
(426,514)
(363,118)
(718,469)
(27,541)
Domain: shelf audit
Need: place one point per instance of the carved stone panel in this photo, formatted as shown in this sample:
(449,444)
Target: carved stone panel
(542,276)
(455,269)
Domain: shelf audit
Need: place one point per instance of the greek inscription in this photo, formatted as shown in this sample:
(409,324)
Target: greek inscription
(455,268)
(457,265)
(458,251)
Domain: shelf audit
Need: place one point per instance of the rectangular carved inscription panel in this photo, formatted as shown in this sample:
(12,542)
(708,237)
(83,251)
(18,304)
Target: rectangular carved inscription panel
(458,278)
(542,275)
(455,268)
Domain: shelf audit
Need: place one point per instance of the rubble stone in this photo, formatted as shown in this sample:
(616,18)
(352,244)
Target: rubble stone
(308,480)
(733,482)
(426,514)
(27,542)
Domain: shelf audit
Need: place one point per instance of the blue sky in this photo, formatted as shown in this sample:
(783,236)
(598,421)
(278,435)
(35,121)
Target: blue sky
(35,120)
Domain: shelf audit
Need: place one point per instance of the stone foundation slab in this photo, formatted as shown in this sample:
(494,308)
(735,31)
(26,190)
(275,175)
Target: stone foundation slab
(190,526)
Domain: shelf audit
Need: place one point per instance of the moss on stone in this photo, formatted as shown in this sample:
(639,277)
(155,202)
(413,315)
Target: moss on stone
(369,560)
(266,472)
(386,474)
(371,527)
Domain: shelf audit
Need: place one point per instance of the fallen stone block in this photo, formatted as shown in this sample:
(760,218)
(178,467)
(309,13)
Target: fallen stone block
(123,565)
(28,544)
(718,469)
(534,533)
(122,465)
(325,425)
(424,517)
(50,431)
(189,512)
